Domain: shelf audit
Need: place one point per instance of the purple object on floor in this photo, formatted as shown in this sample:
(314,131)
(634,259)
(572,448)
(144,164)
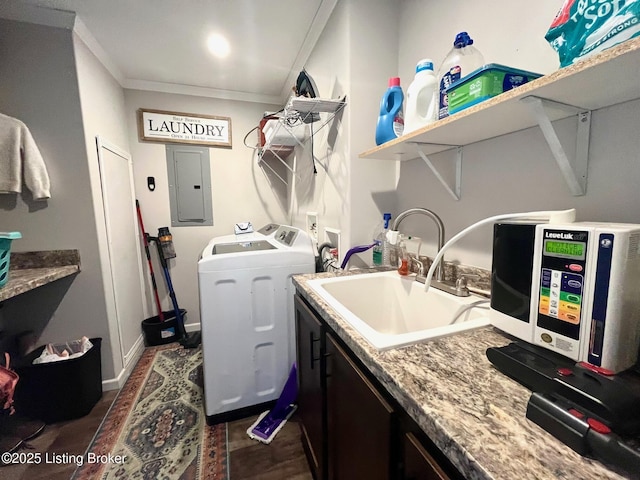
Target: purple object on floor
(268,425)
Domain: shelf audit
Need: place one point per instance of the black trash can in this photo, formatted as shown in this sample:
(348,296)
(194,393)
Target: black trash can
(160,333)
(57,391)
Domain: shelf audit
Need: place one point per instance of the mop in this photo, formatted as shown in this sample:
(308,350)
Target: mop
(269,423)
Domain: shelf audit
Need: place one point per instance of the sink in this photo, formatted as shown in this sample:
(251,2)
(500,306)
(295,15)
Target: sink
(391,311)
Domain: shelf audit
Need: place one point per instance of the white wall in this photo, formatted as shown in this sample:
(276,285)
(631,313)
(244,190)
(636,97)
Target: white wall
(373,50)
(240,189)
(356,54)
(514,172)
(103,114)
(327,192)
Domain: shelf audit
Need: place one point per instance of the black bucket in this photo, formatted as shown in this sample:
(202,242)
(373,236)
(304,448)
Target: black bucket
(161,333)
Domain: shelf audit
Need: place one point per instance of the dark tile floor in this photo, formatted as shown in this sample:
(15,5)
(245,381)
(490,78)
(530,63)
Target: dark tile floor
(72,437)
(249,459)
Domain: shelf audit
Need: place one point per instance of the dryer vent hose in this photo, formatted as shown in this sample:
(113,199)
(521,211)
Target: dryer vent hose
(323,263)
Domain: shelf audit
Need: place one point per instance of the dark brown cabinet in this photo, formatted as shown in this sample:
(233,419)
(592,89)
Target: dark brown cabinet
(418,463)
(359,421)
(351,428)
(310,348)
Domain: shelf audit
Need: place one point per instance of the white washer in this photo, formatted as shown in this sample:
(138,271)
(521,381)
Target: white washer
(247,317)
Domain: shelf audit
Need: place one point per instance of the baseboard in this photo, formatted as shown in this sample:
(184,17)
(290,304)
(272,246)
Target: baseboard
(132,358)
(192,327)
(134,354)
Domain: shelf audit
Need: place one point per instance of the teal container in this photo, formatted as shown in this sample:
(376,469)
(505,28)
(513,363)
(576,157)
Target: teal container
(391,119)
(484,83)
(5,254)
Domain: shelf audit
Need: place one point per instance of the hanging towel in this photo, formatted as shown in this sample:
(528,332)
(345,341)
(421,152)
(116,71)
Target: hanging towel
(19,156)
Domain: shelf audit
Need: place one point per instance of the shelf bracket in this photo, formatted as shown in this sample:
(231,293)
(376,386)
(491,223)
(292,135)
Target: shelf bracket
(280,159)
(453,190)
(575,173)
(274,172)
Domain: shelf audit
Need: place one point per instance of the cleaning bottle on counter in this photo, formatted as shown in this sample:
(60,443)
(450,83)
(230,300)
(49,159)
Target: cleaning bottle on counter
(422,100)
(381,247)
(461,60)
(391,119)
(403,257)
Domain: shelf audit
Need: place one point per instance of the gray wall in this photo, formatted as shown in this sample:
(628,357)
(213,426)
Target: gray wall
(39,87)
(240,189)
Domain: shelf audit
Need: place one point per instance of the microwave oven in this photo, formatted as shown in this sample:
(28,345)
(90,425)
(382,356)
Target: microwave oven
(571,288)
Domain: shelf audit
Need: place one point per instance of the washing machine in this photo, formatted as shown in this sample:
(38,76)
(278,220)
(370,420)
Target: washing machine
(247,317)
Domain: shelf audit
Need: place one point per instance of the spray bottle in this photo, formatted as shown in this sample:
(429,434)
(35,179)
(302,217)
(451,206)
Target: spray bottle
(381,244)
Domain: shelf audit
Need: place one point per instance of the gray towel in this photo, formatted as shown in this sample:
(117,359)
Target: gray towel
(20,157)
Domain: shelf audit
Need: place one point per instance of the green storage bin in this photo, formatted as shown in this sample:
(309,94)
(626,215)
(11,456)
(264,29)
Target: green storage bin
(5,254)
(484,83)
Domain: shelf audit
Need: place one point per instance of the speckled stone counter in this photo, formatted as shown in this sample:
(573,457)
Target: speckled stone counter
(471,411)
(29,270)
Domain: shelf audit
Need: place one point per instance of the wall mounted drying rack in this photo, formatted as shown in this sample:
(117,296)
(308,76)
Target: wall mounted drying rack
(316,112)
(600,81)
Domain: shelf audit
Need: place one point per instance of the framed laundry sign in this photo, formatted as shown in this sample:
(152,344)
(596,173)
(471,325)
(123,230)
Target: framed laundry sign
(176,127)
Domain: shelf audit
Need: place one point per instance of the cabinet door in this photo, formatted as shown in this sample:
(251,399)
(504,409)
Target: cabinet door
(359,421)
(310,364)
(418,464)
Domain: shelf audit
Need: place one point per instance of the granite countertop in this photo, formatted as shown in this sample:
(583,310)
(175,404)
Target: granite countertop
(471,411)
(29,270)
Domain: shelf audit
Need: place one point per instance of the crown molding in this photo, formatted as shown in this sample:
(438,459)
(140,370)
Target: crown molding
(181,89)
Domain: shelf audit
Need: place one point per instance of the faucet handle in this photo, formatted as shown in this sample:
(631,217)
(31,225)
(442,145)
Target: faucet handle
(461,283)
(417,260)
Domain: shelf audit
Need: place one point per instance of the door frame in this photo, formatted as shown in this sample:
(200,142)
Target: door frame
(110,291)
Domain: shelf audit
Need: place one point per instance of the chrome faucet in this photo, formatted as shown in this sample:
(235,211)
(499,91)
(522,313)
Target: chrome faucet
(439,272)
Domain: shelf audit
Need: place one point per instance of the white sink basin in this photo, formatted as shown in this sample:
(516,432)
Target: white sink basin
(391,311)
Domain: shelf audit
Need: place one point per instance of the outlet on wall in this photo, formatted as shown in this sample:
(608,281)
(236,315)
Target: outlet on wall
(312,226)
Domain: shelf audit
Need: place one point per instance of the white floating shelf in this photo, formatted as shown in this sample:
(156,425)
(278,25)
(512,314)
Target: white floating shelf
(605,79)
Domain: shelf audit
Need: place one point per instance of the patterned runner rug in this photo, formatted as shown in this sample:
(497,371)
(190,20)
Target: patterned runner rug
(156,427)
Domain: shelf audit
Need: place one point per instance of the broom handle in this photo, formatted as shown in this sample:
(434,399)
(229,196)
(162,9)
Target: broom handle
(146,251)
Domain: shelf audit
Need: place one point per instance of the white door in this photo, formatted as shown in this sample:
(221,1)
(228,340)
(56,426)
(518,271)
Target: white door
(121,221)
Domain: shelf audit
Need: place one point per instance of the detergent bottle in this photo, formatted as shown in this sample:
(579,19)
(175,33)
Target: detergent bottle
(461,60)
(391,120)
(422,100)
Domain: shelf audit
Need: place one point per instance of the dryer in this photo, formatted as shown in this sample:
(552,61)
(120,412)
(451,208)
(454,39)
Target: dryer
(247,317)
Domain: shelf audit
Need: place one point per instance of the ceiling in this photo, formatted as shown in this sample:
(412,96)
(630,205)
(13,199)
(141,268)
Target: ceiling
(161,44)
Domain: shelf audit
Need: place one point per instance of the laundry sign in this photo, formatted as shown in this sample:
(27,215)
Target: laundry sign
(175,127)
